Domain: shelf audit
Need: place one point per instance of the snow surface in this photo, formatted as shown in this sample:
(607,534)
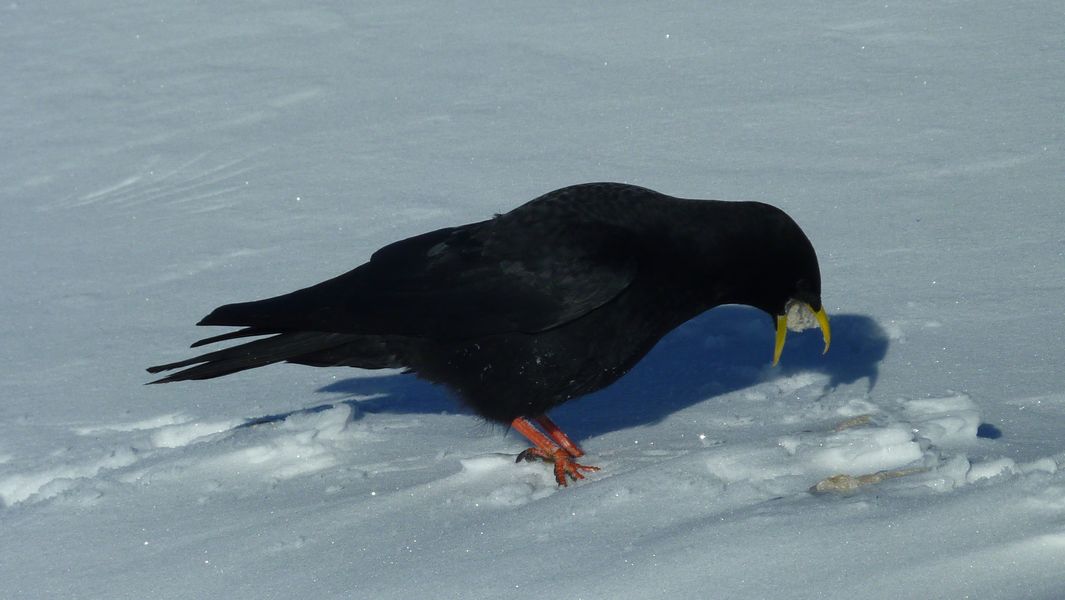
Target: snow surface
(160,159)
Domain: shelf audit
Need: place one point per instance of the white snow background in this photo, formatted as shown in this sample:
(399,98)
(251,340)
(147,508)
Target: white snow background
(160,159)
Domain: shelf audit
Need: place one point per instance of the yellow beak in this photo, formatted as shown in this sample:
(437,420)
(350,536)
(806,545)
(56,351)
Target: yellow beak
(782,331)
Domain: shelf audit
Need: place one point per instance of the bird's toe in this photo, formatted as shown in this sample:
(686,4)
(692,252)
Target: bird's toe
(565,467)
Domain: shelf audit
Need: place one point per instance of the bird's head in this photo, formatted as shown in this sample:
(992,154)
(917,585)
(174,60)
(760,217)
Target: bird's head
(796,304)
(780,275)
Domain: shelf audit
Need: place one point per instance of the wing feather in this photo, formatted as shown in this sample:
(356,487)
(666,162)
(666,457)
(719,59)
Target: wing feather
(480,279)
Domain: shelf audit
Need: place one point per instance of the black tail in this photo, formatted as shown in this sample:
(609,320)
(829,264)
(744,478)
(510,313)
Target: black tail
(313,348)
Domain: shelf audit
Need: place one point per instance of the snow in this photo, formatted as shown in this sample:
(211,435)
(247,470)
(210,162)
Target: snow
(161,159)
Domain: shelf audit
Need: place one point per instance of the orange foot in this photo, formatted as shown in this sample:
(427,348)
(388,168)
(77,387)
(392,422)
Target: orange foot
(561,451)
(564,463)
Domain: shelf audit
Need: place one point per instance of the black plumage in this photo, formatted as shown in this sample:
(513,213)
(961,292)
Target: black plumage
(522,312)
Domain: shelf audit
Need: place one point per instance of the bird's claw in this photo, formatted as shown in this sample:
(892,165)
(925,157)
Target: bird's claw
(564,463)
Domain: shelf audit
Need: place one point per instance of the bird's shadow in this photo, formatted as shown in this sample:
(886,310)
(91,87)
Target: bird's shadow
(723,350)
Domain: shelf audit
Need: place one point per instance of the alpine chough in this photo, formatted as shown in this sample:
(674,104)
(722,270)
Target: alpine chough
(535,307)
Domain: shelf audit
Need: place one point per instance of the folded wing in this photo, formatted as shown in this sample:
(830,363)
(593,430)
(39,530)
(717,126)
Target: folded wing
(457,283)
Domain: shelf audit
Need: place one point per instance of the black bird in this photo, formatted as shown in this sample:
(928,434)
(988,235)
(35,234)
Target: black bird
(550,301)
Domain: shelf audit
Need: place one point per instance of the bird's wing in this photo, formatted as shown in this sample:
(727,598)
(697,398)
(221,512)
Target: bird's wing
(491,277)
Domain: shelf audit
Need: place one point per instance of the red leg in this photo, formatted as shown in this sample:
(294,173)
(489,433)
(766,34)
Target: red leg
(559,436)
(524,427)
(546,450)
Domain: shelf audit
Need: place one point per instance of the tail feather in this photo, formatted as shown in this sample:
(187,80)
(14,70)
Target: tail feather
(232,335)
(249,355)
